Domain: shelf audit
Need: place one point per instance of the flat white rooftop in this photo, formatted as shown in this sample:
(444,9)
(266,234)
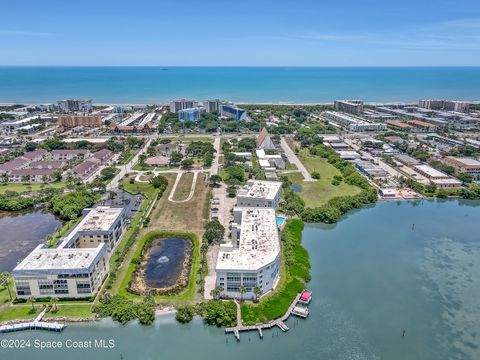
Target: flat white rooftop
(50,260)
(100,218)
(259,242)
(466,161)
(431,172)
(260,189)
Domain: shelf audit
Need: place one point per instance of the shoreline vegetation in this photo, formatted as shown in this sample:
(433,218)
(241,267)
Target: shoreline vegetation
(294,276)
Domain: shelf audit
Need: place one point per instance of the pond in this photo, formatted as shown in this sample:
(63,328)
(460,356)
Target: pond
(165,262)
(21,232)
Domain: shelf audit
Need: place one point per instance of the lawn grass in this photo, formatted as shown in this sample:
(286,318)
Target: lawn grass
(31,187)
(4,296)
(293,278)
(19,312)
(72,311)
(317,193)
(189,292)
(183,187)
(186,216)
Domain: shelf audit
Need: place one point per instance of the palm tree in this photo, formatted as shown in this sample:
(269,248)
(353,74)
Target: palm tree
(31,299)
(54,301)
(257,291)
(216,292)
(242,291)
(4,279)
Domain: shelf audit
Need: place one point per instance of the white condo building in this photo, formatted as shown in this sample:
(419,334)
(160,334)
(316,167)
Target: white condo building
(62,273)
(77,267)
(259,193)
(252,260)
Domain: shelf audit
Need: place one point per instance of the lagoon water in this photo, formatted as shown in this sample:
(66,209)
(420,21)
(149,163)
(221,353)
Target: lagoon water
(22,232)
(374,275)
(240,84)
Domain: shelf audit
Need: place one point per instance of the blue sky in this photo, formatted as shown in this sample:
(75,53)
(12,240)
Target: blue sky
(246,33)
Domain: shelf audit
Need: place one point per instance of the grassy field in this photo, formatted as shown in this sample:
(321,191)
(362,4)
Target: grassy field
(4,297)
(73,311)
(19,312)
(319,192)
(186,216)
(21,188)
(184,186)
(294,273)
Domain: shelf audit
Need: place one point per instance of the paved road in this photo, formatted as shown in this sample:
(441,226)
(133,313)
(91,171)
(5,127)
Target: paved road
(124,169)
(293,159)
(215,163)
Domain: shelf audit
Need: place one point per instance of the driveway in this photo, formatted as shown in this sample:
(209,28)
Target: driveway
(293,159)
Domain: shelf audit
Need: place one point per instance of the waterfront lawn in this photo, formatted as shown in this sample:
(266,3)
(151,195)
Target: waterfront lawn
(30,187)
(186,294)
(294,274)
(72,311)
(183,187)
(19,312)
(4,296)
(317,193)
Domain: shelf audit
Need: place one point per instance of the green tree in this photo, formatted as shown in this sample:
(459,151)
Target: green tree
(4,280)
(141,160)
(214,231)
(215,180)
(108,173)
(175,158)
(185,314)
(216,292)
(242,290)
(187,163)
(159,181)
(257,291)
(54,301)
(32,300)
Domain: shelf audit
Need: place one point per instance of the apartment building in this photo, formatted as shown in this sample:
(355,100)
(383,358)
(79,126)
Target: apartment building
(259,193)
(252,259)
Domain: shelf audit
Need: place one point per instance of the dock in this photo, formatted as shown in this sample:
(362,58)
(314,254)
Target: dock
(293,309)
(36,324)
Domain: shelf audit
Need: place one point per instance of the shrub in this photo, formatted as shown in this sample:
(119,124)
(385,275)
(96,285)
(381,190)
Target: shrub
(219,313)
(185,314)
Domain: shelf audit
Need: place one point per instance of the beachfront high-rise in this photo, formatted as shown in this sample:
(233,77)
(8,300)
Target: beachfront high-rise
(233,112)
(212,105)
(354,107)
(182,104)
(192,114)
(74,105)
(446,105)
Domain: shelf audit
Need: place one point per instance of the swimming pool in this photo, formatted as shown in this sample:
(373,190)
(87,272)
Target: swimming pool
(280,220)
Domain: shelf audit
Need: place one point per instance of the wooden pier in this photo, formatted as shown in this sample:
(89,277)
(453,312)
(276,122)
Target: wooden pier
(292,310)
(36,324)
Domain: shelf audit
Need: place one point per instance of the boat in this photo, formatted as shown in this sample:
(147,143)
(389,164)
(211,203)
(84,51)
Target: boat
(305,297)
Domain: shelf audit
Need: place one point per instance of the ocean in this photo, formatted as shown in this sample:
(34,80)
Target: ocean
(240,84)
(373,276)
